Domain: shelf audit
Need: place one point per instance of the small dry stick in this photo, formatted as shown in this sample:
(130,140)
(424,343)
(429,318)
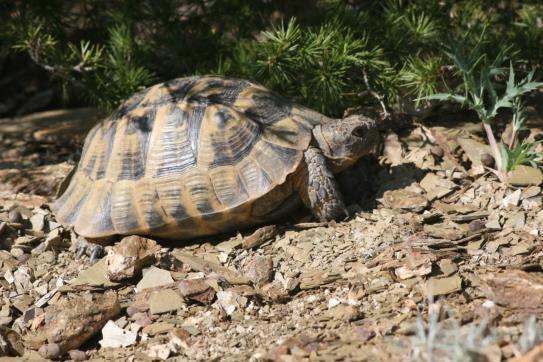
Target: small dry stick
(386,113)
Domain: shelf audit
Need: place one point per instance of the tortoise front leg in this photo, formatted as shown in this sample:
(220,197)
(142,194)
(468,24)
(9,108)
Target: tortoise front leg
(319,190)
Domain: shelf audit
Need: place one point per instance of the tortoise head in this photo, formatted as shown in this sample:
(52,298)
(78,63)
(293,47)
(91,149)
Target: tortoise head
(344,141)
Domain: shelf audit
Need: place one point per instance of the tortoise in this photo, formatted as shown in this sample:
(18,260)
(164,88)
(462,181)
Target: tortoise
(205,155)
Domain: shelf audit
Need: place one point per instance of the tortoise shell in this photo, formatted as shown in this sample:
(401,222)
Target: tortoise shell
(189,157)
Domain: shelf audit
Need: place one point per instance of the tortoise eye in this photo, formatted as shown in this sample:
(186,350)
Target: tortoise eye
(359,131)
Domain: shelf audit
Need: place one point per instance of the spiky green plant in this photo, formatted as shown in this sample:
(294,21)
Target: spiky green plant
(481,94)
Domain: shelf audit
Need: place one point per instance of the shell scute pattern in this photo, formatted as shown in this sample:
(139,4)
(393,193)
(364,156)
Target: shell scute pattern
(181,152)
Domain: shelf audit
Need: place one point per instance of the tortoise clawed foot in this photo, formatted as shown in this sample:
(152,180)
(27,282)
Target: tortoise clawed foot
(84,247)
(96,251)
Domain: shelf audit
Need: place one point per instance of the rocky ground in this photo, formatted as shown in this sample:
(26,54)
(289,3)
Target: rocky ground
(438,262)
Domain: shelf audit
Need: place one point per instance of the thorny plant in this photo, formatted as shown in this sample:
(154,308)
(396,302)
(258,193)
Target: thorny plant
(433,342)
(481,94)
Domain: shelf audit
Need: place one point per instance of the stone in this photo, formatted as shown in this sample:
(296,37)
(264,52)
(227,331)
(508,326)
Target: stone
(443,286)
(523,175)
(127,258)
(114,337)
(511,199)
(260,270)
(165,301)
(154,277)
(72,321)
(259,237)
(199,264)
(96,275)
(230,301)
(198,290)
(515,289)
(447,267)
(404,200)
(436,187)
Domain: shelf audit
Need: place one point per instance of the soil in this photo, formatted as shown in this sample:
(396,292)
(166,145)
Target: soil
(438,261)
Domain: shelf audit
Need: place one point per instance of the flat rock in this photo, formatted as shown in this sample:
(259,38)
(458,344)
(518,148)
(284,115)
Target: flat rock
(154,277)
(165,301)
(158,328)
(347,313)
(199,264)
(436,187)
(416,265)
(512,199)
(523,175)
(96,276)
(447,267)
(405,200)
(443,286)
(259,237)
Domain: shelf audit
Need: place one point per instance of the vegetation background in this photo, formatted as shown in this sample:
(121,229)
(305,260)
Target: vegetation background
(326,54)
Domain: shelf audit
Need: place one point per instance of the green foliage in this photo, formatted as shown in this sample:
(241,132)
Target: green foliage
(120,75)
(319,67)
(421,76)
(327,54)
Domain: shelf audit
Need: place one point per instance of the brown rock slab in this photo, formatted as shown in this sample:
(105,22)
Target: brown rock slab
(447,267)
(165,301)
(199,264)
(158,328)
(316,278)
(405,200)
(516,290)
(260,270)
(443,286)
(523,175)
(436,187)
(127,258)
(72,321)
(415,264)
(274,292)
(393,150)
(197,290)
(347,313)
(446,230)
(259,237)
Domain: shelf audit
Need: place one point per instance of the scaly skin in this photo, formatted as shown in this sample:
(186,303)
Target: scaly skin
(319,190)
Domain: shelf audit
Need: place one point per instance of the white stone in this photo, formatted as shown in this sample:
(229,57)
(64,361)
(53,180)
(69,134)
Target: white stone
(113,336)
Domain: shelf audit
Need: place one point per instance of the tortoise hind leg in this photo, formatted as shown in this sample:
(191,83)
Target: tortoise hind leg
(318,188)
